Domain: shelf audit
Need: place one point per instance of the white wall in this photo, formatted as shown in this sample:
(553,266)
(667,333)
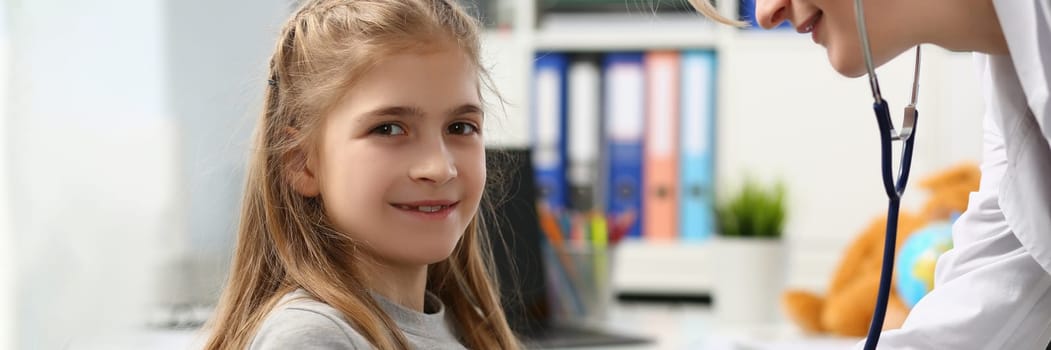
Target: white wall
(509,63)
(7,258)
(126,133)
(786,114)
(218,55)
(91,164)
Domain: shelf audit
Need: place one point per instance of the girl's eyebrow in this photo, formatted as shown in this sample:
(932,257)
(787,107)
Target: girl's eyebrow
(393,111)
(467,108)
(417,112)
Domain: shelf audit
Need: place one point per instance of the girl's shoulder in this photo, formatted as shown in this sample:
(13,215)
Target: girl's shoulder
(299,321)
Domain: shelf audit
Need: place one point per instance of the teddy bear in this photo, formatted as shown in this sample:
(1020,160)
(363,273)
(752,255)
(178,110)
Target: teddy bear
(847,306)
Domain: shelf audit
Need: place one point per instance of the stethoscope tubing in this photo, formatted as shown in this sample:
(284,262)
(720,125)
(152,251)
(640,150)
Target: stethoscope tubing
(893,188)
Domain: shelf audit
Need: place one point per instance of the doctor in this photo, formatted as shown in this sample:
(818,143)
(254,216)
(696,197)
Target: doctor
(993,289)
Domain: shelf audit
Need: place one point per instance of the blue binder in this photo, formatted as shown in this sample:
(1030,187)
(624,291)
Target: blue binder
(549,128)
(624,113)
(697,127)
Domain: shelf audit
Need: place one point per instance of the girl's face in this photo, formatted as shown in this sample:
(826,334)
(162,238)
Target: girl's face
(401,164)
(832,24)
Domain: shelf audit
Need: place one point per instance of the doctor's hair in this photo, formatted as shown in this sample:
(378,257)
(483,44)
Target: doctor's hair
(284,240)
(706,8)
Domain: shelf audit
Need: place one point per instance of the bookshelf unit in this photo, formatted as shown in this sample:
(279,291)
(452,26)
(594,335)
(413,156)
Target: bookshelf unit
(639,267)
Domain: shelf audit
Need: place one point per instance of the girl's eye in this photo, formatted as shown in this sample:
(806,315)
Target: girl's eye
(462,128)
(389,130)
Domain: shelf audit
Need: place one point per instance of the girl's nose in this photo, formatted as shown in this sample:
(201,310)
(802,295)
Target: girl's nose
(436,165)
(770,13)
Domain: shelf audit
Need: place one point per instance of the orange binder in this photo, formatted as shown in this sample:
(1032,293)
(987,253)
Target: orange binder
(661,146)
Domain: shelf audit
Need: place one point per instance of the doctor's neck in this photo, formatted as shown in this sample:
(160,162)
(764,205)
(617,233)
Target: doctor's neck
(958,25)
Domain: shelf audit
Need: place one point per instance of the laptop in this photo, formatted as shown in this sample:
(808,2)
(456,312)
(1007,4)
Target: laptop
(515,238)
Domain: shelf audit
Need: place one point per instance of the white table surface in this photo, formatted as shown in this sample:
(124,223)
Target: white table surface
(693,326)
(672,326)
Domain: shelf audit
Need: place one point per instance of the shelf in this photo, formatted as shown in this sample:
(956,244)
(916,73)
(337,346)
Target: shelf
(624,32)
(649,268)
(612,41)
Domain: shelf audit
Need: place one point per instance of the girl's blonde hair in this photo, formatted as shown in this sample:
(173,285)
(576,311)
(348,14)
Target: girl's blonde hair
(284,239)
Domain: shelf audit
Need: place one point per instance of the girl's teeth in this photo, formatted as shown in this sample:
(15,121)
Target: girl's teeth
(424,208)
(431,209)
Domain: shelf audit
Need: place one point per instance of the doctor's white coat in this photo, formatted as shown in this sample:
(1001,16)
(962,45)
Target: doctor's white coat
(993,289)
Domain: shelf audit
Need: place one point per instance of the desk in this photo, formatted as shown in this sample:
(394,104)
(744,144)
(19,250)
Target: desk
(672,326)
(694,326)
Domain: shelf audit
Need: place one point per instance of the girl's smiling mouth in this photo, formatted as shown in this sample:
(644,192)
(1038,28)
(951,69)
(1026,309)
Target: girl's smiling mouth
(428,209)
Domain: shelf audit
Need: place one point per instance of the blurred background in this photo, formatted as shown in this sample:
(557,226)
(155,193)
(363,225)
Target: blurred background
(125,128)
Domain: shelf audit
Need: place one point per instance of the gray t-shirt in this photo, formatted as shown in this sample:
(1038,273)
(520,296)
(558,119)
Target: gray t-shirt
(301,322)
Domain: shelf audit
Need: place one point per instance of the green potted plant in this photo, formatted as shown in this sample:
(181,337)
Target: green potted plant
(753,212)
(749,254)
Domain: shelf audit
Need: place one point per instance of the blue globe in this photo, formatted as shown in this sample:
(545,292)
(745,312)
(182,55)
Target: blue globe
(914,275)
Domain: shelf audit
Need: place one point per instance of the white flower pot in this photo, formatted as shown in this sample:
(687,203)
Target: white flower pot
(748,276)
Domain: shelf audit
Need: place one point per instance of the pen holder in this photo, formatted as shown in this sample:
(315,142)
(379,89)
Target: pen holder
(578,282)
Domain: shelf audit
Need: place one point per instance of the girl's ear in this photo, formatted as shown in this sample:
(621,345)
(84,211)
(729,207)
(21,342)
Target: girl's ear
(299,169)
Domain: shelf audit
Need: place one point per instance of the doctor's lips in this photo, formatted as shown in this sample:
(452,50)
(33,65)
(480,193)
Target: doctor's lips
(436,207)
(809,25)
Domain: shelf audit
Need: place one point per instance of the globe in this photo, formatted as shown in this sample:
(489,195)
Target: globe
(914,274)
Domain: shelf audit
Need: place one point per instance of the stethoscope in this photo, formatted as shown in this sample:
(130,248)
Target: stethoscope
(894,189)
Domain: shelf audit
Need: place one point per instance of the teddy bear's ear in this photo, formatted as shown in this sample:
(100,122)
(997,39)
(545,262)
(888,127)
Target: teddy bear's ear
(966,172)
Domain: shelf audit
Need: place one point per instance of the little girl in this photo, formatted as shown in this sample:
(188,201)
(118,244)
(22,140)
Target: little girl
(360,220)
